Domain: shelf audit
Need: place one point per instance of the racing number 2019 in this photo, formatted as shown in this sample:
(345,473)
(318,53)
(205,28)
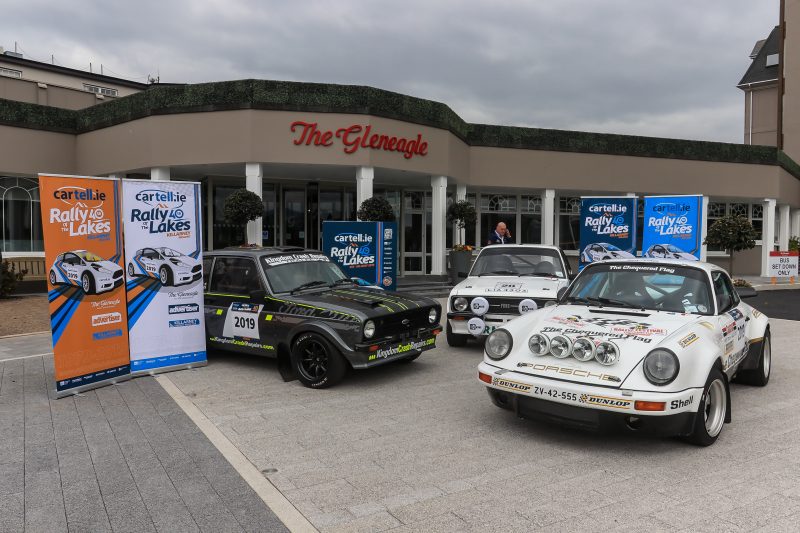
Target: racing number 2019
(244,322)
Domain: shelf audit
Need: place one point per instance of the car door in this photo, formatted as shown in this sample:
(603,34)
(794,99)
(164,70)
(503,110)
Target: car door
(732,320)
(234,318)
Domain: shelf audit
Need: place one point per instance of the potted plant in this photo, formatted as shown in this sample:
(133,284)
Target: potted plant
(461,213)
(732,233)
(375,209)
(241,207)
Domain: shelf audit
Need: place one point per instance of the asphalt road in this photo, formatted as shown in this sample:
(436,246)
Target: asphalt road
(783,304)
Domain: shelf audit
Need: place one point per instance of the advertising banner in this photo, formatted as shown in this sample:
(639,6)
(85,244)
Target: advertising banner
(83,254)
(672,227)
(608,228)
(366,250)
(163,271)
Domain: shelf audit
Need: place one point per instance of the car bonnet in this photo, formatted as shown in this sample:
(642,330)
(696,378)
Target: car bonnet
(520,286)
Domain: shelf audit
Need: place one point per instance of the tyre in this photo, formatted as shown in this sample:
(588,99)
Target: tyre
(165,275)
(759,376)
(87,283)
(52,277)
(712,412)
(454,339)
(131,271)
(317,363)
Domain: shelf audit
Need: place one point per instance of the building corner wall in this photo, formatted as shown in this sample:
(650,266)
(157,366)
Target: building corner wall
(790,58)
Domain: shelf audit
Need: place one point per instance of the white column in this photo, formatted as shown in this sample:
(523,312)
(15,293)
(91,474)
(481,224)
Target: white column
(364,178)
(117,176)
(795,222)
(783,229)
(548,216)
(768,239)
(438,221)
(703,229)
(159,174)
(461,195)
(254,176)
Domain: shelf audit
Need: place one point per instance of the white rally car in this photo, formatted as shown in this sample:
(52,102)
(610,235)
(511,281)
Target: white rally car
(167,265)
(88,271)
(668,251)
(644,344)
(505,281)
(601,251)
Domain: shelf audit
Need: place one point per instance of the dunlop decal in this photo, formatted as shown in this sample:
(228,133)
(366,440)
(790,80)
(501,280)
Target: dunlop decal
(510,385)
(605,401)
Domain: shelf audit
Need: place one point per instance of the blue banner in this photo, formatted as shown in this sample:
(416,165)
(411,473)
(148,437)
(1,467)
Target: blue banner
(608,228)
(672,227)
(365,250)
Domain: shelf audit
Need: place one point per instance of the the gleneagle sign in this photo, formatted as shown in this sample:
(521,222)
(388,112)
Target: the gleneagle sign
(356,137)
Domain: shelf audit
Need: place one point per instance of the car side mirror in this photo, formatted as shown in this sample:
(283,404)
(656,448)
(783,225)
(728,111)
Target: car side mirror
(561,292)
(258,295)
(746,292)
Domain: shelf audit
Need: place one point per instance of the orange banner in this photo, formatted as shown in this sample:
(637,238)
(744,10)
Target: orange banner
(86,282)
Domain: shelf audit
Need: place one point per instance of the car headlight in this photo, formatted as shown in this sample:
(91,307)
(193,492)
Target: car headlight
(661,366)
(539,344)
(606,353)
(460,304)
(583,349)
(498,344)
(432,315)
(369,329)
(560,346)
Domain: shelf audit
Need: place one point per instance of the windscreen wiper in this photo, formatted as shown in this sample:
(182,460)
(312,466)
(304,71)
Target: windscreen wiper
(307,285)
(539,274)
(498,273)
(614,303)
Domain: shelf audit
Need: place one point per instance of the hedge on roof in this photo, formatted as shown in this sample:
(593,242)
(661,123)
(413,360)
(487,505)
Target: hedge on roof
(332,98)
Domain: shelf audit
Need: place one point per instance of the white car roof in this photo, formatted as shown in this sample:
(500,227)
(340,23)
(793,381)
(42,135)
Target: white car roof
(708,267)
(518,246)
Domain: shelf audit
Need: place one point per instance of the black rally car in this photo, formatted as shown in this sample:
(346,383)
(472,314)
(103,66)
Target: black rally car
(298,305)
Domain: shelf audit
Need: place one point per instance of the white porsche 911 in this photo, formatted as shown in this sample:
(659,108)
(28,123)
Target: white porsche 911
(505,281)
(644,344)
(88,271)
(167,265)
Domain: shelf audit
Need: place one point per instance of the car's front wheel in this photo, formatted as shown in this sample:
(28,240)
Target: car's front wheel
(87,283)
(165,275)
(131,271)
(318,364)
(759,376)
(455,339)
(712,412)
(52,277)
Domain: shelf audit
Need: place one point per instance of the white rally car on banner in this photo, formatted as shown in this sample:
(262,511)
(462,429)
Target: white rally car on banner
(644,344)
(169,266)
(505,281)
(88,271)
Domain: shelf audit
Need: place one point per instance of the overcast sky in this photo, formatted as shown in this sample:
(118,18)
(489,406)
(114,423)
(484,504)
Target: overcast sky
(646,67)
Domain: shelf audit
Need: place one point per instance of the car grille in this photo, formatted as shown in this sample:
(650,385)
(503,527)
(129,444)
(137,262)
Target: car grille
(393,324)
(117,274)
(196,268)
(510,306)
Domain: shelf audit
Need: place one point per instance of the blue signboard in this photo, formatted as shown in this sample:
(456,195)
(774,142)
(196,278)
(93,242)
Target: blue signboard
(608,229)
(672,227)
(367,250)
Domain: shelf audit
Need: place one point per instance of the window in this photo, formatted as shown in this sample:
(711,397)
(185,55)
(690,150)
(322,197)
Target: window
(531,219)
(207,263)
(569,223)
(10,72)
(21,215)
(726,296)
(234,275)
(105,91)
(496,208)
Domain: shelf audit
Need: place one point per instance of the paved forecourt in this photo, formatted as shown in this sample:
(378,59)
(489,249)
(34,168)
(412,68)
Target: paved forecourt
(420,447)
(121,458)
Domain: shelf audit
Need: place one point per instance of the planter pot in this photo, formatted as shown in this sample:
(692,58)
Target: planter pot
(460,262)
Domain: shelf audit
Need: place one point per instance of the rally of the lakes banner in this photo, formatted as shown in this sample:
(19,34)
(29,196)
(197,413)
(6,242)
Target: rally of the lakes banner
(366,250)
(672,227)
(608,228)
(83,253)
(163,270)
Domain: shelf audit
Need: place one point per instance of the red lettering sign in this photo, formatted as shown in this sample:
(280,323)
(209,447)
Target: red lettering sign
(355,137)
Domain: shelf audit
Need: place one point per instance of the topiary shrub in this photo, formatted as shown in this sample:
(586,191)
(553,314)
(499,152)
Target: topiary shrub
(462,214)
(732,233)
(243,206)
(376,209)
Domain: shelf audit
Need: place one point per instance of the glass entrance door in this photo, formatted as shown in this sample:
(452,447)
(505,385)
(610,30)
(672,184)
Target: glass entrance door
(294,217)
(416,227)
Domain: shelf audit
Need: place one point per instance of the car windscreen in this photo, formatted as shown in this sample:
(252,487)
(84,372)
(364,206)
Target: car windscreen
(288,272)
(89,256)
(674,249)
(644,286)
(520,261)
(169,252)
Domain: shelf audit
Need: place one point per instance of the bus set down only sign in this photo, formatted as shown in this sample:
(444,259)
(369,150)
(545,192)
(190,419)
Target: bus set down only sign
(783,264)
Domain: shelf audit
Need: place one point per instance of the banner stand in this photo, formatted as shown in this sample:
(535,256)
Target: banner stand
(163,272)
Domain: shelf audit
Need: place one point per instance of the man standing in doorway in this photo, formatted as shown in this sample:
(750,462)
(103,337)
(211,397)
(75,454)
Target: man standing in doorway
(500,235)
